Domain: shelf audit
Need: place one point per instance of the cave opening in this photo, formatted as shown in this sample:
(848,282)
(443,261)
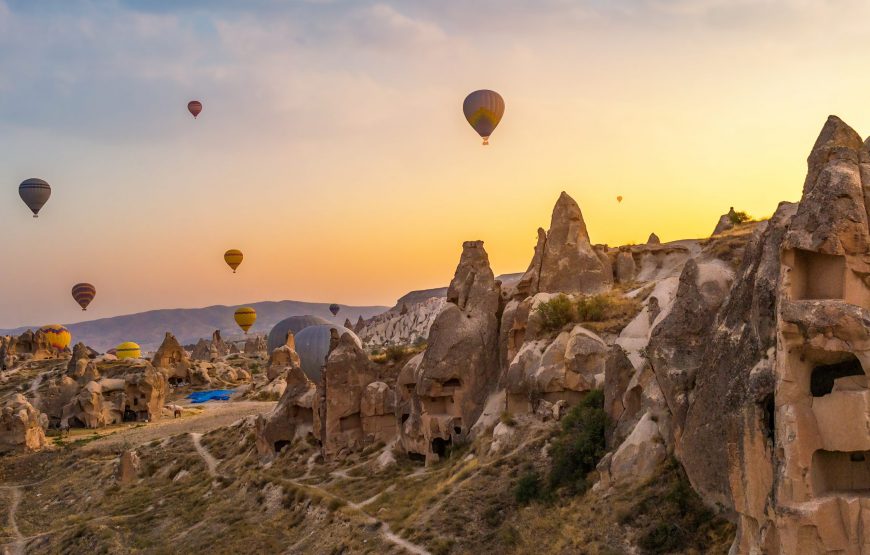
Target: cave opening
(439,446)
(823,377)
(280,444)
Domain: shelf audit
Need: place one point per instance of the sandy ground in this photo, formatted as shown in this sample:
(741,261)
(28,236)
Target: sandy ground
(214,414)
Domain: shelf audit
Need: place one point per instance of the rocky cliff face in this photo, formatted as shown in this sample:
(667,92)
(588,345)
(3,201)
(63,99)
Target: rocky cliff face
(22,427)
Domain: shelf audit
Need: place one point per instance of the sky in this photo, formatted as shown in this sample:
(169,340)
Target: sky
(333,152)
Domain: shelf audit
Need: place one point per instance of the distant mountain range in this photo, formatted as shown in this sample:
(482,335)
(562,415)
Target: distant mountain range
(190,324)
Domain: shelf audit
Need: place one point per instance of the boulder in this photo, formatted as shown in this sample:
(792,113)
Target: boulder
(22,427)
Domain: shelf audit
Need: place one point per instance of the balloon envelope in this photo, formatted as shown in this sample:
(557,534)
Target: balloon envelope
(84,293)
(295,324)
(312,346)
(233,258)
(483,109)
(58,336)
(334,308)
(619,198)
(128,349)
(245,317)
(194,107)
(35,193)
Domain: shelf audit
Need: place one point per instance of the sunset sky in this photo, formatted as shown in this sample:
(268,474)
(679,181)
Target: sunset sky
(333,151)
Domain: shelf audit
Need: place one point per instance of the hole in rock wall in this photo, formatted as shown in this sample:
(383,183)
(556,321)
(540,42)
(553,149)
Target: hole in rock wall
(769,422)
(817,276)
(405,417)
(129,415)
(453,382)
(841,472)
(75,422)
(351,422)
(439,446)
(416,457)
(280,444)
(823,377)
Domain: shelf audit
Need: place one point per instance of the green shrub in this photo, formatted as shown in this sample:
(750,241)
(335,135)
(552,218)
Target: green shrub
(395,353)
(738,217)
(593,309)
(508,419)
(579,446)
(556,313)
(528,488)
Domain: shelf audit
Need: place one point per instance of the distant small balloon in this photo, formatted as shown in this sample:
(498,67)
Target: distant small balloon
(35,193)
(483,109)
(84,293)
(334,308)
(194,107)
(245,318)
(619,198)
(233,258)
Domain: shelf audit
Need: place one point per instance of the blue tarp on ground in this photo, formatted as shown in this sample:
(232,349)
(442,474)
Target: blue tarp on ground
(210,395)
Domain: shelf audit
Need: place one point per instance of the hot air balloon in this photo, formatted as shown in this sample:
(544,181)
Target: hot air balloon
(233,258)
(58,336)
(128,349)
(483,109)
(295,324)
(312,345)
(34,192)
(245,318)
(194,107)
(84,293)
(334,308)
(619,198)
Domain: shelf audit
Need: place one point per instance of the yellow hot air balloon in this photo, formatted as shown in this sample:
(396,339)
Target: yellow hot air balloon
(245,318)
(233,258)
(58,336)
(128,349)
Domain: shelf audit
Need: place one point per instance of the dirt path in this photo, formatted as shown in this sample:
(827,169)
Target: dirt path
(16,547)
(210,461)
(214,415)
(33,392)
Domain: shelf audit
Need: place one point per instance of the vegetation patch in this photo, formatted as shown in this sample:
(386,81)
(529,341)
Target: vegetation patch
(579,445)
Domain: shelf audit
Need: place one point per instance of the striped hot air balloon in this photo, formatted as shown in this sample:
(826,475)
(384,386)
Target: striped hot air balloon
(233,258)
(334,308)
(35,193)
(84,293)
(58,336)
(194,107)
(128,349)
(483,109)
(245,318)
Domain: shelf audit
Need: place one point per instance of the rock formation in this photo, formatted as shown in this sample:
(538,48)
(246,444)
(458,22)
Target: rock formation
(129,467)
(172,357)
(460,366)
(255,345)
(22,427)
(564,260)
(396,327)
(653,239)
(726,222)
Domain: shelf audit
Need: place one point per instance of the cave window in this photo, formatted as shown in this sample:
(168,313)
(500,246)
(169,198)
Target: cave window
(841,472)
(453,382)
(818,276)
(129,415)
(439,446)
(416,457)
(280,444)
(823,377)
(457,430)
(405,417)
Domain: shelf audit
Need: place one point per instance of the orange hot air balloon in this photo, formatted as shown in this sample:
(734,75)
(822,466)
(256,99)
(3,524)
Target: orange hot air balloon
(194,107)
(619,198)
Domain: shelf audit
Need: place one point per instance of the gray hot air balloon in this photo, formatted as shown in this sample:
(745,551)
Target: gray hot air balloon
(312,346)
(34,192)
(278,335)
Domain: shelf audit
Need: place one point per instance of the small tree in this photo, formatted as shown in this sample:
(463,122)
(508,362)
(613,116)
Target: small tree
(556,313)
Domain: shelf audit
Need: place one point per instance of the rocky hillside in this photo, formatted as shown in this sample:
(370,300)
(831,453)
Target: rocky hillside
(191,324)
(699,396)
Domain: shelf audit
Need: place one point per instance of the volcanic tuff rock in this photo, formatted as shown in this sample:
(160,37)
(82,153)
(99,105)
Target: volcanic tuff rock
(653,239)
(402,327)
(726,222)
(172,356)
(564,260)
(460,366)
(22,427)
